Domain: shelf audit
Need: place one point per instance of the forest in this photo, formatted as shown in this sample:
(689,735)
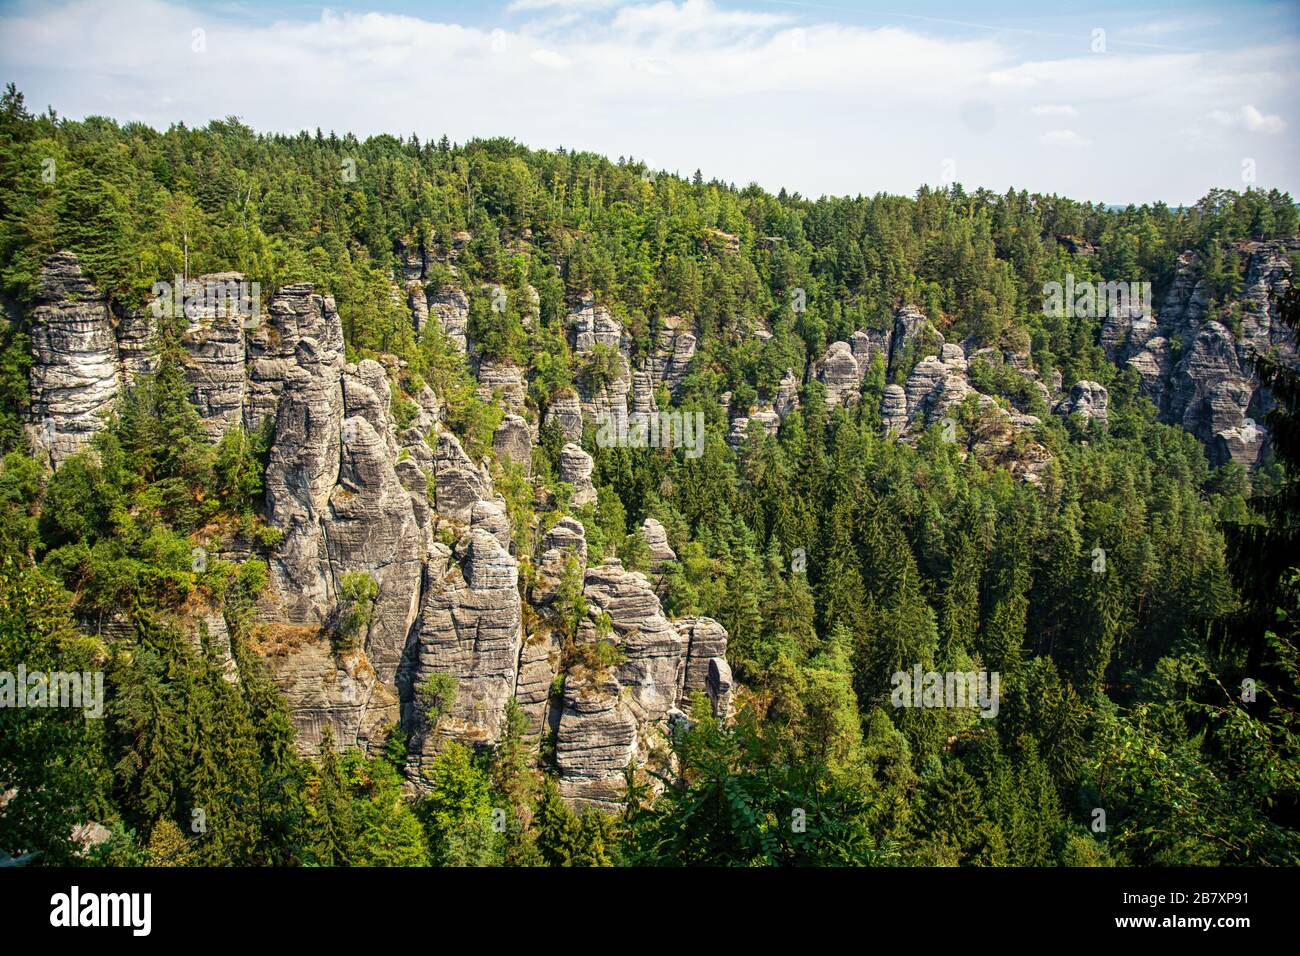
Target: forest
(834,555)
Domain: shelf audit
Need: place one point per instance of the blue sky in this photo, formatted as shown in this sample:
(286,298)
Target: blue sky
(1113,102)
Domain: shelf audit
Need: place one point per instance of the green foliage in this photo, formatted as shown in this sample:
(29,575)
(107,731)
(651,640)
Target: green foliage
(358,591)
(437,695)
(833,558)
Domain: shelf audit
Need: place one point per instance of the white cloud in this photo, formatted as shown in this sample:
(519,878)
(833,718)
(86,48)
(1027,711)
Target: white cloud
(1250,119)
(1159,28)
(556,61)
(581,5)
(691,16)
(1064,137)
(1053,109)
(785,97)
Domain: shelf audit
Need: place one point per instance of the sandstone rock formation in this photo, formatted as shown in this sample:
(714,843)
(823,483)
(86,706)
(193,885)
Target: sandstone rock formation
(215,356)
(675,346)
(1193,356)
(838,370)
(575,469)
(75,375)
(566,414)
(470,628)
(450,306)
(513,442)
(656,539)
(459,482)
(1089,399)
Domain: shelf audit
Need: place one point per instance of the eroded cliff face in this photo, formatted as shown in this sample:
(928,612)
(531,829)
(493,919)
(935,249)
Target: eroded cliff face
(1195,366)
(77,373)
(412,511)
(600,671)
(928,380)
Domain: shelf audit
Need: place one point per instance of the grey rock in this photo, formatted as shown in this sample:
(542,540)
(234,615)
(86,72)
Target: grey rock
(675,346)
(136,347)
(215,355)
(924,388)
(459,483)
(513,442)
(707,644)
(451,308)
(595,742)
(591,325)
(503,379)
(838,370)
(470,628)
(75,375)
(340,693)
(371,528)
(303,467)
(566,413)
(575,468)
(913,335)
(656,539)
(655,652)
(490,516)
(1087,398)
(893,409)
(787,394)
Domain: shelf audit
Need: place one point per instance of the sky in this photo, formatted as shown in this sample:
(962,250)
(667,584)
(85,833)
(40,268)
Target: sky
(1113,102)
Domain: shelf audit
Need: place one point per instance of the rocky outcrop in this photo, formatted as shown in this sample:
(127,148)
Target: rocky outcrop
(1213,392)
(607,402)
(913,335)
(591,325)
(618,715)
(513,442)
(371,528)
(304,463)
(136,347)
(643,396)
(767,421)
(505,380)
(335,691)
(893,409)
(653,650)
(459,483)
(1153,364)
(1193,355)
(787,395)
(450,306)
(675,346)
(838,370)
(707,671)
(470,628)
(575,468)
(1086,398)
(596,740)
(563,552)
(868,344)
(215,356)
(566,414)
(75,375)
(656,540)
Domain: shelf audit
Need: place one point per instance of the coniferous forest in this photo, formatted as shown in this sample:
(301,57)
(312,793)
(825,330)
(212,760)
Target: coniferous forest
(478,677)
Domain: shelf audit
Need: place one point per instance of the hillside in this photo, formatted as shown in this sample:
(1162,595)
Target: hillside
(472,504)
